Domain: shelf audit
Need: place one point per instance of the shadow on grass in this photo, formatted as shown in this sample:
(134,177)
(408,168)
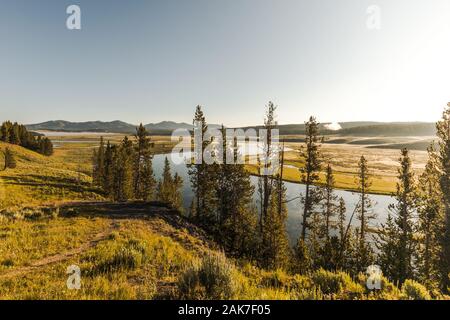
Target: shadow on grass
(48,181)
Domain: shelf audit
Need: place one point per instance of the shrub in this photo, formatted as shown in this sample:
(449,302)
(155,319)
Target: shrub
(412,290)
(337,284)
(212,278)
(129,256)
(279,279)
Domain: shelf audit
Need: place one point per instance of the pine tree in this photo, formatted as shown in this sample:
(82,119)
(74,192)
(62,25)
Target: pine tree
(275,243)
(310,171)
(265,182)
(443,133)
(148,185)
(98,171)
(329,205)
(168,190)
(95,167)
(5,131)
(302,258)
(399,236)
(203,178)
(10,162)
(326,223)
(123,171)
(430,227)
(14,135)
(108,178)
(237,217)
(101,162)
(365,215)
(143,179)
(387,243)
(342,232)
(177,196)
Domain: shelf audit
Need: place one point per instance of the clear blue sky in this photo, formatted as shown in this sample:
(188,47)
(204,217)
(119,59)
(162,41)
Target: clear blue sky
(148,61)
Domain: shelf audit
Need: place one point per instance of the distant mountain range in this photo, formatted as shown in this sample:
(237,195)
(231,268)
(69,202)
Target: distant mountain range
(357,128)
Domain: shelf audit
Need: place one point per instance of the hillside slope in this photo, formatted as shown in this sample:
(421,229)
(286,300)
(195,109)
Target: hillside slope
(147,251)
(38,179)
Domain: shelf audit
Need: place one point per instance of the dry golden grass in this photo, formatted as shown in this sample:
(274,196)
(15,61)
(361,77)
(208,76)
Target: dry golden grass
(383,165)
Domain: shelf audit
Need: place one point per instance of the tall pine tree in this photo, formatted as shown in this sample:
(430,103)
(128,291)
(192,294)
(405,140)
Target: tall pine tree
(396,237)
(365,256)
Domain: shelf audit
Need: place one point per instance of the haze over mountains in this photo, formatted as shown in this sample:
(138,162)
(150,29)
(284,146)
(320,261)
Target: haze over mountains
(359,128)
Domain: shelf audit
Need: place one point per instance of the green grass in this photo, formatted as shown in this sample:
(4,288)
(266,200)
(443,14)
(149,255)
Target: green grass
(156,258)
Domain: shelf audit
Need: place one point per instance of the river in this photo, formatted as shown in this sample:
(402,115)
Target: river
(293,225)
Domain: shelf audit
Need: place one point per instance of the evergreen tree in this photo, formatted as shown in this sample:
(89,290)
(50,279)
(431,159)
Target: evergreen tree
(310,171)
(329,203)
(396,237)
(95,167)
(443,133)
(202,178)
(429,229)
(327,223)
(275,243)
(5,131)
(108,178)
(387,243)
(169,188)
(177,198)
(265,182)
(10,162)
(302,258)
(342,232)
(99,164)
(147,186)
(237,218)
(365,214)
(122,165)
(144,181)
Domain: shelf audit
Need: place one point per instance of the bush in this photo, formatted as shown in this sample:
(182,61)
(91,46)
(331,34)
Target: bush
(213,279)
(412,290)
(279,279)
(129,256)
(338,285)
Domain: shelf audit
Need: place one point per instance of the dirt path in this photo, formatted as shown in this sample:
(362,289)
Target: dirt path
(41,263)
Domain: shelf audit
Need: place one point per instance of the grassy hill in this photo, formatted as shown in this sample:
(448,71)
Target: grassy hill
(147,251)
(41,180)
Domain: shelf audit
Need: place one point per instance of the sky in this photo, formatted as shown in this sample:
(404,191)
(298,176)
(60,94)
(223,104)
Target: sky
(149,61)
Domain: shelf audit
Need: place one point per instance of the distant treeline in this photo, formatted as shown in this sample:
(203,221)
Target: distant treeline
(363,129)
(18,134)
(392,129)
